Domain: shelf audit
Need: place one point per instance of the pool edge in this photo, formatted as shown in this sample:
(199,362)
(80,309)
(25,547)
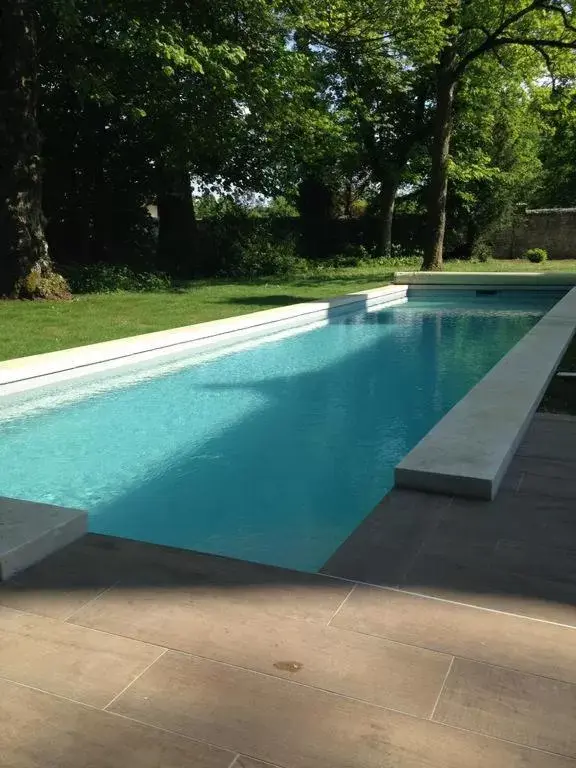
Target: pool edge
(30,531)
(25,373)
(468,452)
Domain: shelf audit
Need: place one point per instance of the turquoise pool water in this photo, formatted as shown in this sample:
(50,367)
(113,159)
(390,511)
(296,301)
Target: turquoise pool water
(274,453)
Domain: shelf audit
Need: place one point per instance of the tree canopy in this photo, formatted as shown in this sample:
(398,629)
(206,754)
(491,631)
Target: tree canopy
(454,109)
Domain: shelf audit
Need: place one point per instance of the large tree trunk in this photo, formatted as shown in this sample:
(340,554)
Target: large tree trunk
(438,191)
(26,270)
(177,227)
(386,204)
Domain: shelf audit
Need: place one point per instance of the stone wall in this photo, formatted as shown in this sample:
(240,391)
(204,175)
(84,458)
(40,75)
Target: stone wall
(551,228)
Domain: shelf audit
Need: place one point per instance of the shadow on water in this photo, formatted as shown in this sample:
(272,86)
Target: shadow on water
(307,498)
(321,436)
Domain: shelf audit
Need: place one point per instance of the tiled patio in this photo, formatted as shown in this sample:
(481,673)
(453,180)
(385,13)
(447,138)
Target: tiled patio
(116,654)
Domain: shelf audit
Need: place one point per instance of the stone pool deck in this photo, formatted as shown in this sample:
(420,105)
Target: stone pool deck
(462,654)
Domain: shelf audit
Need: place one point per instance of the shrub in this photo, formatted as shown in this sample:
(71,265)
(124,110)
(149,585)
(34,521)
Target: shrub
(109,278)
(536,255)
(403,263)
(482,252)
(353,256)
(256,255)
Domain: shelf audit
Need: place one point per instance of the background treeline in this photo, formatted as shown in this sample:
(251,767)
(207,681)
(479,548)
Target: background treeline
(263,133)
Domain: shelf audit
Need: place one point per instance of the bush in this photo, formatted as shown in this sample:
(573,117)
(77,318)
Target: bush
(256,255)
(109,278)
(536,255)
(482,252)
(353,256)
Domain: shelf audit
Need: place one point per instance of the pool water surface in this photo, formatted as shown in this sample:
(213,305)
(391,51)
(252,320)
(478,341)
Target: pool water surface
(274,453)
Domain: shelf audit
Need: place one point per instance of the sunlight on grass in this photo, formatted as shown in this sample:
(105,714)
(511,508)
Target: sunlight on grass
(29,328)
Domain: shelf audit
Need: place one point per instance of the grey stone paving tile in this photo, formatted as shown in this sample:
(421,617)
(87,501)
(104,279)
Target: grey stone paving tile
(294,726)
(246,628)
(510,641)
(385,544)
(479,582)
(498,702)
(67,579)
(38,730)
(511,543)
(543,467)
(78,663)
(64,582)
(549,562)
(550,438)
(549,485)
(512,516)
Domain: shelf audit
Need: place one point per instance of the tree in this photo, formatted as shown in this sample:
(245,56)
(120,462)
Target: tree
(376,63)
(26,270)
(384,104)
(477,28)
(556,111)
(138,101)
(495,161)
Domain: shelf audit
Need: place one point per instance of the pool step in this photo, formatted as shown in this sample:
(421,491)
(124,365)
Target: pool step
(29,532)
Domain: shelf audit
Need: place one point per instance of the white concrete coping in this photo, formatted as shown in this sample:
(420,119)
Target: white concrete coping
(37,370)
(486,279)
(468,452)
(30,532)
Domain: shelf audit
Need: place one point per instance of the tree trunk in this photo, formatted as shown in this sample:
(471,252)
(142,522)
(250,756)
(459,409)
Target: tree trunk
(26,270)
(438,192)
(177,227)
(387,203)
(348,199)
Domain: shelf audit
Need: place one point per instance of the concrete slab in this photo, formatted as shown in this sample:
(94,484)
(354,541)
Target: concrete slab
(479,279)
(469,450)
(30,532)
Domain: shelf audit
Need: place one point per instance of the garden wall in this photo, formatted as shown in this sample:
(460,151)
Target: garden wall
(551,228)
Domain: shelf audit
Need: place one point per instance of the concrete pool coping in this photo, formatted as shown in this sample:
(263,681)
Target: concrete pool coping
(30,531)
(25,373)
(468,452)
(462,280)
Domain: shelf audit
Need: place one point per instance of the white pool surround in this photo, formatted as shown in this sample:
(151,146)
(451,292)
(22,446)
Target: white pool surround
(477,280)
(468,451)
(38,370)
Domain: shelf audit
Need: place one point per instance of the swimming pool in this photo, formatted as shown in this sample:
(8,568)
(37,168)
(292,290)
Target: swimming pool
(273,451)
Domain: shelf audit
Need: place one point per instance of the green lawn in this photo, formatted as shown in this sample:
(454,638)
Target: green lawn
(28,328)
(511,266)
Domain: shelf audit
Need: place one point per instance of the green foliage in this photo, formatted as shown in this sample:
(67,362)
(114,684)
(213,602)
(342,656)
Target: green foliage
(364,258)
(211,207)
(108,278)
(482,252)
(495,152)
(280,207)
(536,255)
(256,256)
(253,100)
(556,111)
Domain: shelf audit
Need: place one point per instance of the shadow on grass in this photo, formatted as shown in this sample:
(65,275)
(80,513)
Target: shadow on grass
(360,277)
(269,301)
(298,279)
